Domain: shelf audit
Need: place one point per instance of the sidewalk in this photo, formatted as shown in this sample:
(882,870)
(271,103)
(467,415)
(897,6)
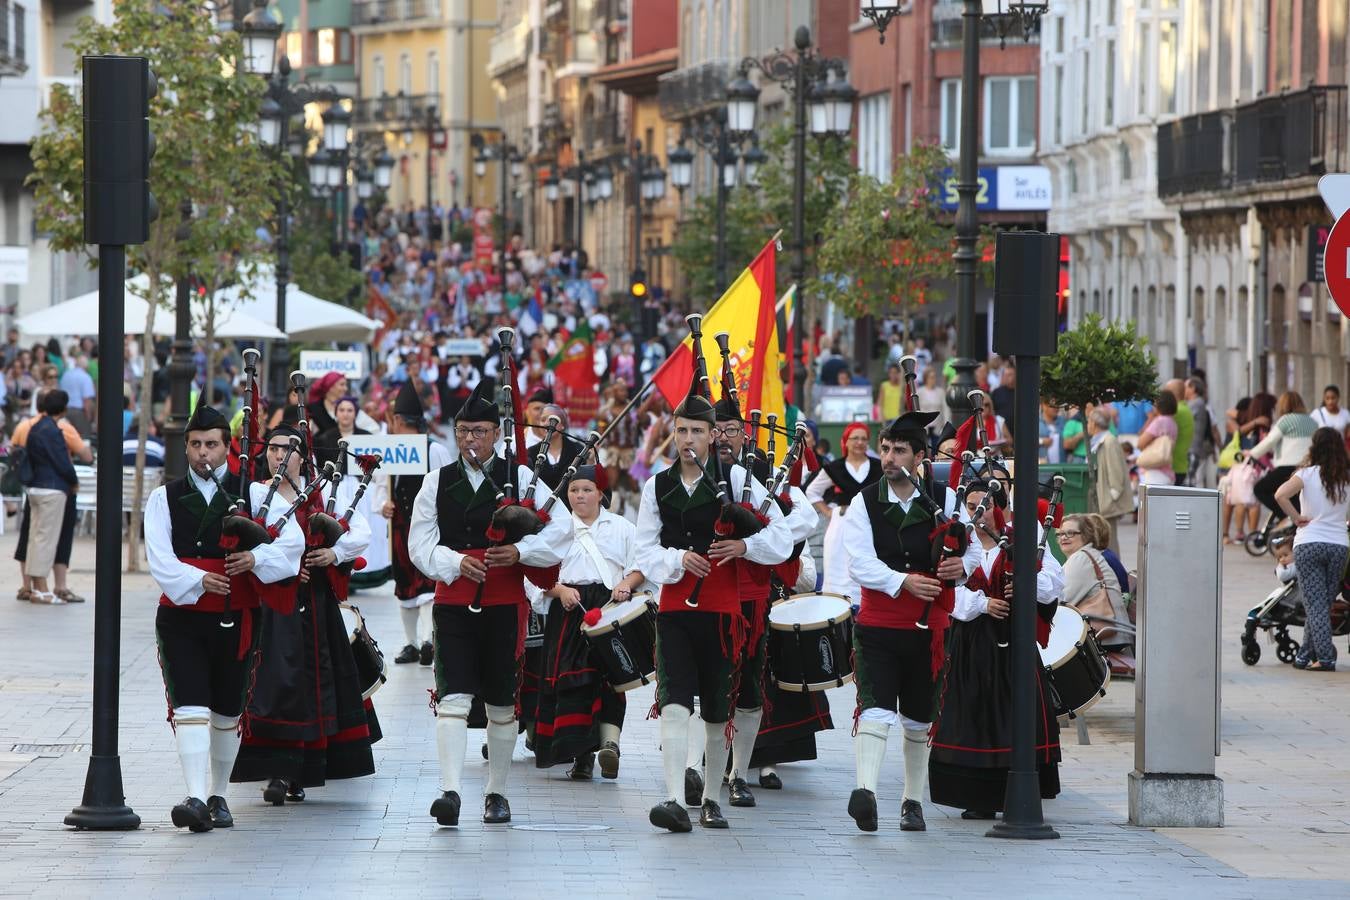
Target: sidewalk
(1286,783)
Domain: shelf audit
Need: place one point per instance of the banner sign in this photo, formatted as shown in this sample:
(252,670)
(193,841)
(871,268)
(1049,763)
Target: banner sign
(464,347)
(350,364)
(402,454)
(1006,188)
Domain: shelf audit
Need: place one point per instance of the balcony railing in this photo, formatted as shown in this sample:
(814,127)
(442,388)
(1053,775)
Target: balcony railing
(393,12)
(694,89)
(395,109)
(509,49)
(1273,139)
(13,52)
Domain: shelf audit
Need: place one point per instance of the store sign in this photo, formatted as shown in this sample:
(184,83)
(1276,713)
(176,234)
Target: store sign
(1317,251)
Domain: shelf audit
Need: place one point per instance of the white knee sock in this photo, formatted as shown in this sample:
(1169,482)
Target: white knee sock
(501,741)
(224,750)
(674,748)
(192,731)
(452,739)
(743,744)
(424,623)
(715,752)
(916,763)
(609,732)
(409,616)
(694,760)
(870,747)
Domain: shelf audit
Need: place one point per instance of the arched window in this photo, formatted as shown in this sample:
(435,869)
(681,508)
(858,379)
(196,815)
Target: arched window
(377,75)
(433,73)
(405,74)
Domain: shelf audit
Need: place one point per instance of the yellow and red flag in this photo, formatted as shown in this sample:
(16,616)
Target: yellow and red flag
(746,312)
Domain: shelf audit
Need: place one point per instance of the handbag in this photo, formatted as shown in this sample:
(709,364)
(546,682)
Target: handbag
(1097,605)
(1157,455)
(1228,455)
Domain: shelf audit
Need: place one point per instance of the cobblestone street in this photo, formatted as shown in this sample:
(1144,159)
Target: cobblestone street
(1286,786)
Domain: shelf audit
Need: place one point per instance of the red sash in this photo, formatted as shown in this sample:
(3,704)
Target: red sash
(505,585)
(788,572)
(721,591)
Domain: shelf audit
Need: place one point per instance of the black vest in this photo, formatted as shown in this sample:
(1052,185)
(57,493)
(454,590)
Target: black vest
(405,487)
(552,473)
(901,541)
(463,514)
(845,488)
(194,526)
(686,519)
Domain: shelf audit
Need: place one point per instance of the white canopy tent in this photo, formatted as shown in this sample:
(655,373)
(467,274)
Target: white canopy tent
(308,318)
(79,316)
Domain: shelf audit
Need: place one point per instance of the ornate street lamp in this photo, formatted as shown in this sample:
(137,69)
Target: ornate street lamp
(882,11)
(384,170)
(681,162)
(261,31)
(336,122)
(754,158)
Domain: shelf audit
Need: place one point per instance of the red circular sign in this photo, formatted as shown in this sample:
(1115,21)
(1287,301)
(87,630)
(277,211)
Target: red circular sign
(1336,263)
(599,281)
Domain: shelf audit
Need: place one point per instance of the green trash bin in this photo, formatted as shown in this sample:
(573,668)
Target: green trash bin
(1077,485)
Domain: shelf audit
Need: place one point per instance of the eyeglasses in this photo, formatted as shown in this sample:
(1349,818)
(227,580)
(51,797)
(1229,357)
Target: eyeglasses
(479,433)
(727,432)
(1066,533)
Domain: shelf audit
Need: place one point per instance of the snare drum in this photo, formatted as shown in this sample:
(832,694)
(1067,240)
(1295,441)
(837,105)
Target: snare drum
(371,666)
(624,641)
(1074,664)
(811,642)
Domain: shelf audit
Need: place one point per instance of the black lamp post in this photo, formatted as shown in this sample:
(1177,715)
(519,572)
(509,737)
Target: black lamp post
(822,103)
(512,166)
(712,133)
(435,141)
(181,367)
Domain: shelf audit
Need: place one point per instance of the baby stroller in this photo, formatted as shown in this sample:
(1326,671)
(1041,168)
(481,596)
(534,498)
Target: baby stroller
(1281,609)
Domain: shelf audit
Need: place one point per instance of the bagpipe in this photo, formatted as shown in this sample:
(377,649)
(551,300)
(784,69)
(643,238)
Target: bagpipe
(949,539)
(325,530)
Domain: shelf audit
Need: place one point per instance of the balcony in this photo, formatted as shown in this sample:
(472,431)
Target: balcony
(395,14)
(395,110)
(13,52)
(509,49)
(1274,139)
(692,90)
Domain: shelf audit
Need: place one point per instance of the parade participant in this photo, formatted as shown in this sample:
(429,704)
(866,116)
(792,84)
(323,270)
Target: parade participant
(562,447)
(325,442)
(698,646)
(307,721)
(479,632)
(204,625)
(621,442)
(414,590)
(579,713)
(972,736)
(324,395)
(888,530)
(536,419)
(831,491)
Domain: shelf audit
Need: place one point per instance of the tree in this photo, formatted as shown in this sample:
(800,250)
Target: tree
(1099,362)
(888,243)
(317,270)
(205,160)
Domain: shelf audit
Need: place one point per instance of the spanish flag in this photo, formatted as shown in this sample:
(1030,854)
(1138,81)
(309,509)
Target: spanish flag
(747,313)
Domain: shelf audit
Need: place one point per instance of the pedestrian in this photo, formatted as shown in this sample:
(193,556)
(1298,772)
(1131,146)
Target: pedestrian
(1204,439)
(1320,543)
(1289,441)
(1185,422)
(1161,434)
(1115,498)
(1331,414)
(891,393)
(932,398)
(1051,427)
(54,479)
(1003,395)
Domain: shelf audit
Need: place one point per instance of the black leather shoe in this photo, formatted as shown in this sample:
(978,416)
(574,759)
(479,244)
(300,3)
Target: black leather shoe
(583,768)
(275,792)
(496,811)
(862,806)
(408,654)
(770,781)
(670,816)
(711,815)
(911,816)
(740,793)
(609,760)
(693,788)
(980,815)
(220,812)
(427,655)
(445,809)
(192,814)
(295,793)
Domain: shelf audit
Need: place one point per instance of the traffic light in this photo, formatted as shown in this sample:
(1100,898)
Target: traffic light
(118,145)
(637,288)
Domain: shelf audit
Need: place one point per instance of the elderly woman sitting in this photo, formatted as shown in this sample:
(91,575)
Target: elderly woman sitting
(1092,584)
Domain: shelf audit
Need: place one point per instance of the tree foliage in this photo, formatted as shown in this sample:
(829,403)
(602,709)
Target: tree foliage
(1098,362)
(887,244)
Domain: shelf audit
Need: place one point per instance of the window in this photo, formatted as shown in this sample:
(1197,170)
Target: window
(909,117)
(405,75)
(874,136)
(1167,67)
(295,47)
(1059,105)
(433,73)
(1059,34)
(950,113)
(1109,84)
(1071,175)
(326,43)
(1010,115)
(1126,166)
(1141,72)
(1085,93)
(376,75)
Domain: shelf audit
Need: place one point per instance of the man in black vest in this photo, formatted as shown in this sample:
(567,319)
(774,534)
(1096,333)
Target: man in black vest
(698,646)
(205,620)
(907,598)
(480,599)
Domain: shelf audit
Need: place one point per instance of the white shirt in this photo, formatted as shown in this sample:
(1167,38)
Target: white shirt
(1049,584)
(544,548)
(181,582)
(803,518)
(614,536)
(1339,421)
(864,566)
(1328,517)
(815,491)
(665,565)
(357,538)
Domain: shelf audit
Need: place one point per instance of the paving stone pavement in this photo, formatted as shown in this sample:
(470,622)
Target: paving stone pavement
(1286,785)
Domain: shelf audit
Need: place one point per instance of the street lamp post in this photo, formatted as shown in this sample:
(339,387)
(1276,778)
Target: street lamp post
(512,166)
(181,367)
(435,140)
(714,134)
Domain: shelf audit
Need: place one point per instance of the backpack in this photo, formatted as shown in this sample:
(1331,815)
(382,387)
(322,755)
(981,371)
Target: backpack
(21,464)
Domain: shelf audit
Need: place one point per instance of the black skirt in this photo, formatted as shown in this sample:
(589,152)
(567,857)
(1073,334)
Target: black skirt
(972,737)
(574,698)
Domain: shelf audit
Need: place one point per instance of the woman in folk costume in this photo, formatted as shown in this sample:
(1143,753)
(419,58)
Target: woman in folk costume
(972,736)
(579,714)
(307,720)
(830,491)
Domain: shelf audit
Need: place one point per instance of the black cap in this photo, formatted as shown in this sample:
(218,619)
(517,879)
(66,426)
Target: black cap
(542,395)
(948,432)
(912,426)
(284,430)
(695,405)
(728,410)
(407,405)
(478,408)
(205,418)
